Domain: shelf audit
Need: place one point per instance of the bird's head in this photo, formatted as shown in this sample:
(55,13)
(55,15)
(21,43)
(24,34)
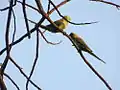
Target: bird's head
(68,18)
(73,35)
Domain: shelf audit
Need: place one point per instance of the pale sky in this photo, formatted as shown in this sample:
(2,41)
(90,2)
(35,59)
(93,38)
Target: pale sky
(59,66)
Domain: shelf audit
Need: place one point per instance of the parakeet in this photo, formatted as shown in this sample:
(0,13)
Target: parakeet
(82,45)
(61,23)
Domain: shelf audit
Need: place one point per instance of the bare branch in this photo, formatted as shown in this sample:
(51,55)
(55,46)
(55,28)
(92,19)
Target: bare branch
(17,41)
(13,82)
(67,20)
(25,17)
(44,36)
(106,2)
(29,6)
(7,38)
(14,32)
(19,68)
(2,84)
(96,73)
(48,7)
(47,40)
(57,6)
(8,6)
(35,60)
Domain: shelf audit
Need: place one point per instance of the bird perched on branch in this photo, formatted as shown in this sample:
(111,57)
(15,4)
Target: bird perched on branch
(61,23)
(79,42)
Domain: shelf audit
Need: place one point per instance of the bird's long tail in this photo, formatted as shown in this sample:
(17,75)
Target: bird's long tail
(97,57)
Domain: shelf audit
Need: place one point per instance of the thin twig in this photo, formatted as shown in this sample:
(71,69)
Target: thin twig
(25,17)
(8,7)
(47,40)
(29,6)
(35,60)
(7,37)
(48,7)
(106,2)
(96,73)
(45,15)
(14,32)
(57,6)
(17,41)
(52,10)
(44,36)
(22,72)
(67,20)
(13,82)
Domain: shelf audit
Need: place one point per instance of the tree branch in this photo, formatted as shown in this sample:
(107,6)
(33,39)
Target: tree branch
(13,82)
(35,60)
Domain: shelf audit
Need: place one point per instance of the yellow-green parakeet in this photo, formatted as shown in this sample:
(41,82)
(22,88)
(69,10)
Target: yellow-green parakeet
(61,23)
(82,45)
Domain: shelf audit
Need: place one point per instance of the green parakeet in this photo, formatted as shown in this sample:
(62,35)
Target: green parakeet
(61,23)
(82,45)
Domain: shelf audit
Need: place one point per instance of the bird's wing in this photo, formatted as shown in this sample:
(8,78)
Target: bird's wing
(87,49)
(52,28)
(83,45)
(57,22)
(61,24)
